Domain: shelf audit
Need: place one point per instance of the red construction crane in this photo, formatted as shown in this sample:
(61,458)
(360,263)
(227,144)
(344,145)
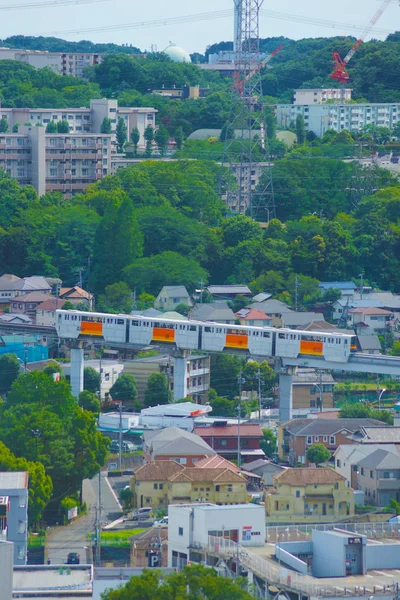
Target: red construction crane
(239,83)
(340,72)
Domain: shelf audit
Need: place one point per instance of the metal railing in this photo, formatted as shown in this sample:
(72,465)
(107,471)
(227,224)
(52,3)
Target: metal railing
(282,533)
(285,578)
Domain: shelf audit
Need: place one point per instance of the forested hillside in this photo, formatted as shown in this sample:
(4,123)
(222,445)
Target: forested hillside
(163,223)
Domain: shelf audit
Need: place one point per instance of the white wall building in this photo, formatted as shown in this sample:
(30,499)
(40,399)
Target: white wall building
(62,63)
(317,96)
(182,415)
(14,521)
(6,569)
(189,526)
(352,117)
(109,371)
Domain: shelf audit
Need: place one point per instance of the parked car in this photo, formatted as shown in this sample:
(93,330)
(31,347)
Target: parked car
(127,447)
(142,514)
(161,523)
(73,558)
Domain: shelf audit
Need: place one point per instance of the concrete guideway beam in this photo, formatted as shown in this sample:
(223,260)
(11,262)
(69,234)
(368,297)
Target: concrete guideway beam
(77,366)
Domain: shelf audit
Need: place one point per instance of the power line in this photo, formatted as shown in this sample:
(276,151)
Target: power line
(49,4)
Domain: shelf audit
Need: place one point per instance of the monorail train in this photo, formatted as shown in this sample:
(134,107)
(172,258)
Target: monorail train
(213,337)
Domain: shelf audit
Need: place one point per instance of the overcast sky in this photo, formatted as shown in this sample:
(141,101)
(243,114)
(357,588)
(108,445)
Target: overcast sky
(195,35)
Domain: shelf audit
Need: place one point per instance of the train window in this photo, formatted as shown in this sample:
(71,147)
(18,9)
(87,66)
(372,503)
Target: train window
(346,341)
(67,317)
(207,329)
(156,324)
(192,328)
(266,334)
(135,323)
(282,336)
(120,321)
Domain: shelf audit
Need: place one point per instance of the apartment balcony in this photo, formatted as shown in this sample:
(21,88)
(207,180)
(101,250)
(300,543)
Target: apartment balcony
(198,389)
(199,372)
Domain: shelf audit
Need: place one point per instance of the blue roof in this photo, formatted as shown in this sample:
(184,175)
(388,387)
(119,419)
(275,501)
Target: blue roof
(341,285)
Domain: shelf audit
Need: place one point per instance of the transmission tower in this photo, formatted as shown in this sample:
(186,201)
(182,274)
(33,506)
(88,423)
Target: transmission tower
(246,149)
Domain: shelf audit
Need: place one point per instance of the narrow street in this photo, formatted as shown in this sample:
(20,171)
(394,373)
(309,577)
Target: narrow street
(74,537)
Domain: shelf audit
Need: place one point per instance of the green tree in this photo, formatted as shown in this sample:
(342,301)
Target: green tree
(179,137)
(355,411)
(40,484)
(9,371)
(122,134)
(91,380)
(161,138)
(318,453)
(227,132)
(124,389)
(52,368)
(300,130)
(106,126)
(183,309)
(268,443)
(63,127)
(3,125)
(157,390)
(225,370)
(68,305)
(221,407)
(135,139)
(51,127)
(15,128)
(145,301)
(194,582)
(116,299)
(240,228)
(149,138)
(89,401)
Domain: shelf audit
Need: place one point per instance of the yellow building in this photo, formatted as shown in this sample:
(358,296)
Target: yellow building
(160,483)
(309,496)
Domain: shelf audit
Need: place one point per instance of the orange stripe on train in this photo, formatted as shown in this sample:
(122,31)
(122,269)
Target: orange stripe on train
(234,340)
(91,328)
(161,334)
(311,348)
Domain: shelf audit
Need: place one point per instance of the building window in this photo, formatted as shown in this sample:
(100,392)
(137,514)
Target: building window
(217,488)
(160,486)
(156,486)
(362,471)
(222,442)
(230,488)
(338,463)
(180,531)
(336,486)
(297,493)
(332,440)
(316,438)
(309,439)
(371,474)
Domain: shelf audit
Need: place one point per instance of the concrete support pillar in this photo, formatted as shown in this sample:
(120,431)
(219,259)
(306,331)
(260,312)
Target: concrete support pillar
(76,373)
(285,395)
(180,378)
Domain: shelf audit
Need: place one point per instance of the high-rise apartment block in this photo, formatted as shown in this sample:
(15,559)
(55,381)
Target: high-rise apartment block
(63,63)
(65,162)
(317,96)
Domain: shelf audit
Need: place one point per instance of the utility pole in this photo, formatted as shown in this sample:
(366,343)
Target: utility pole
(259,393)
(120,438)
(97,557)
(296,292)
(240,382)
(361,286)
(321,396)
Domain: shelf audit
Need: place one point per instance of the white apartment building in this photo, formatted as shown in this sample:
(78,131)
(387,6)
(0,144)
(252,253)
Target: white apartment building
(352,117)
(70,63)
(317,96)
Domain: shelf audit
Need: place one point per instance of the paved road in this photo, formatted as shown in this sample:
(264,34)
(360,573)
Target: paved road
(74,537)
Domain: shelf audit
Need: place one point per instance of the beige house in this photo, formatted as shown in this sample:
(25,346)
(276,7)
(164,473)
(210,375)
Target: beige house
(309,496)
(77,296)
(171,296)
(46,311)
(253,317)
(161,483)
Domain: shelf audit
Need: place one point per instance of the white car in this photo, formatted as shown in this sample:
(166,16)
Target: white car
(161,523)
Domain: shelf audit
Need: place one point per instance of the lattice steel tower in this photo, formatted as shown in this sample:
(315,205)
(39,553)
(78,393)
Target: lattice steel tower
(246,151)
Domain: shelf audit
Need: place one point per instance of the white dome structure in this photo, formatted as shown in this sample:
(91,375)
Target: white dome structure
(177,54)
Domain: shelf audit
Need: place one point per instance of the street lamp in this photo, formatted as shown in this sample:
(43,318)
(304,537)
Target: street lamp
(36,432)
(379,398)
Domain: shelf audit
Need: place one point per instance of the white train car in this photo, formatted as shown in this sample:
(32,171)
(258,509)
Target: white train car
(72,324)
(328,346)
(144,331)
(216,337)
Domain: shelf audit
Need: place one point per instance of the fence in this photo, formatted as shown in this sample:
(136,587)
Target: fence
(277,575)
(283,533)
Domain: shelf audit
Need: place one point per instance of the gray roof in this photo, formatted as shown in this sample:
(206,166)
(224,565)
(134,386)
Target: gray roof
(174,441)
(272,306)
(216,311)
(10,317)
(32,297)
(338,285)
(7,282)
(149,312)
(175,290)
(331,426)
(14,480)
(229,289)
(299,319)
(261,297)
(377,435)
(380,459)
(309,376)
(369,342)
(31,284)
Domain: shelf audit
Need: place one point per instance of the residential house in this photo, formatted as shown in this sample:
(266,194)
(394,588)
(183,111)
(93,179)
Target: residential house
(378,476)
(46,311)
(253,317)
(261,297)
(28,303)
(309,496)
(369,321)
(274,308)
(299,320)
(31,284)
(146,551)
(161,483)
(175,444)
(197,374)
(311,389)
(296,436)
(376,434)
(223,438)
(346,288)
(216,312)
(265,469)
(228,292)
(7,291)
(171,296)
(346,458)
(77,296)
(369,344)
(18,319)
(14,511)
